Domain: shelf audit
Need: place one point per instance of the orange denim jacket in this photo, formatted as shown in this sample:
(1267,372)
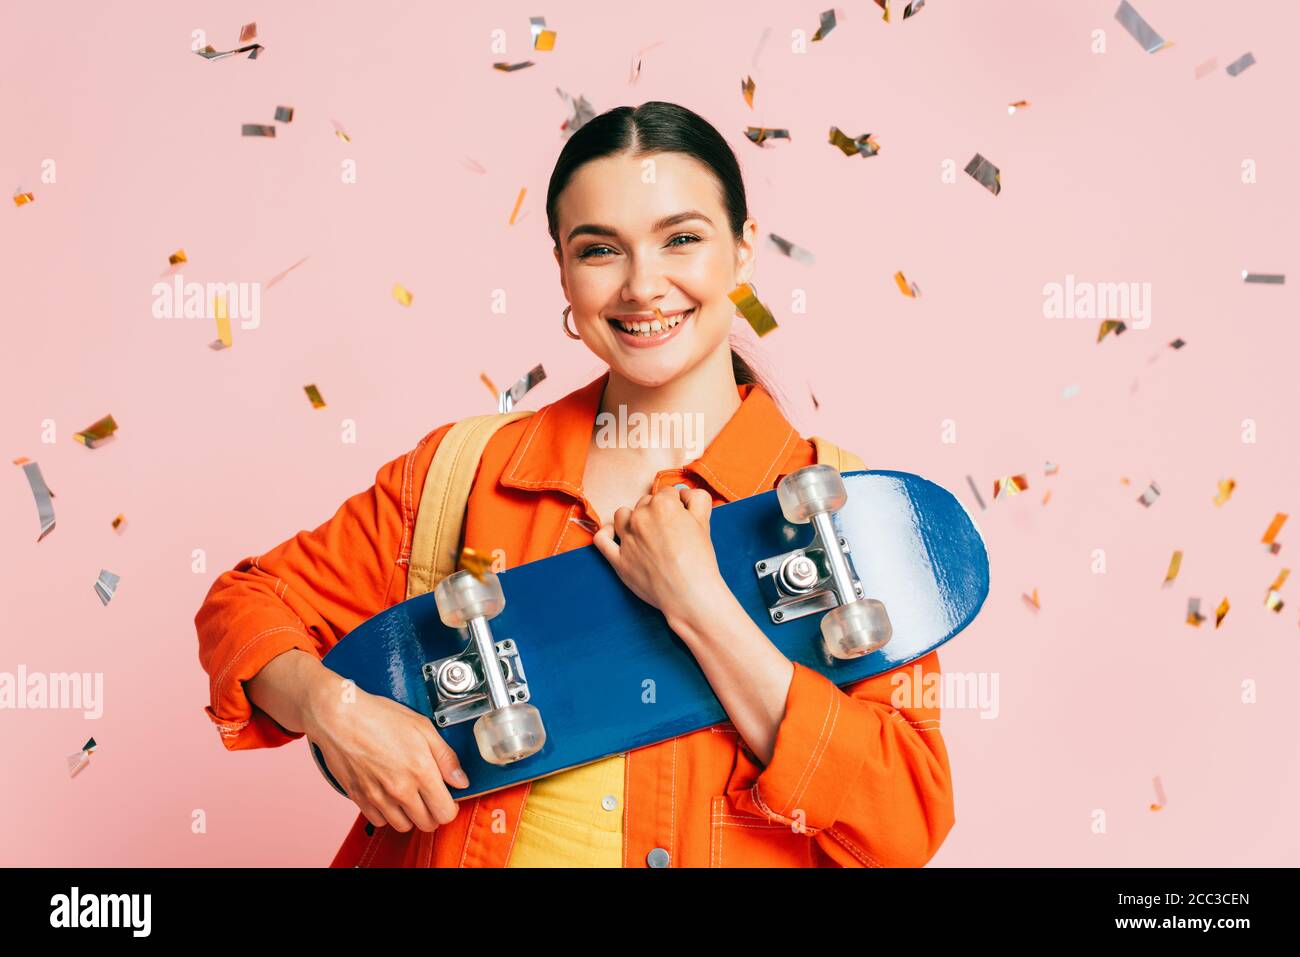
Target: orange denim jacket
(853,781)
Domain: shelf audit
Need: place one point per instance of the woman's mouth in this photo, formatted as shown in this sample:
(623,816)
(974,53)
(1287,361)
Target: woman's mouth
(651,330)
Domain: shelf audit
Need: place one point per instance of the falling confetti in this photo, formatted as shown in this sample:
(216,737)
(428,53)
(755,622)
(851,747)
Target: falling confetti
(1160,794)
(1149,497)
(284,114)
(1239,65)
(585,523)
(746,299)
(1272,598)
(976,492)
(1194,616)
(1018,105)
(247,32)
(119,523)
(1139,29)
(908,289)
(507,400)
(1175,563)
(314,395)
(791,250)
(339,132)
(827,25)
(913,8)
(519,201)
(1070,391)
(1108,326)
(759,135)
(177,257)
(491,386)
(223,340)
(1225,491)
(512,67)
(1206,68)
(474,563)
(280,275)
(106,585)
(1050,468)
(23,197)
(1221,612)
(864,145)
(211,53)
(257,129)
(1274,527)
(985,173)
(97,434)
(747,90)
(1009,485)
(543,39)
(78,762)
(402,294)
(1271,278)
(581,111)
(813,396)
(1177,344)
(1032,600)
(41,492)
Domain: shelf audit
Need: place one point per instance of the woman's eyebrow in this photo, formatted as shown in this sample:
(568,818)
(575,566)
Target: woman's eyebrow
(595,229)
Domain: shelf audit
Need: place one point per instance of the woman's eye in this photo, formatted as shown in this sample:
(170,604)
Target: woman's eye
(673,241)
(590,252)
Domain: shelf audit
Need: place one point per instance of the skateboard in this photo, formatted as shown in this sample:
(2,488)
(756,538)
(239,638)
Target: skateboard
(580,668)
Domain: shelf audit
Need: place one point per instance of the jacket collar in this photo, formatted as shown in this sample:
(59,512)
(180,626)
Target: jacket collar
(743,459)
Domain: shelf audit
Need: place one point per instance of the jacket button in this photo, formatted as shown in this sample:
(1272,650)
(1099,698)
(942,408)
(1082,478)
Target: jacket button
(609,802)
(657,858)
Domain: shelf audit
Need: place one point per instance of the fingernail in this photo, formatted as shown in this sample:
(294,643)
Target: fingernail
(458,778)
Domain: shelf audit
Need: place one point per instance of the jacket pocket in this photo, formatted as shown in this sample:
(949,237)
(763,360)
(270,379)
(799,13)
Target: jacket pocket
(738,839)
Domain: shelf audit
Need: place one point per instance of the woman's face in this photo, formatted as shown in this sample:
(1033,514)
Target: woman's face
(638,233)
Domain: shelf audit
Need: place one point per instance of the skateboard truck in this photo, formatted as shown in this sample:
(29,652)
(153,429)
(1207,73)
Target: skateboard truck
(819,577)
(485,681)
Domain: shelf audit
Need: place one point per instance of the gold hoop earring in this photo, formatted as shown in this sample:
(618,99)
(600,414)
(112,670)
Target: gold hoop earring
(565,323)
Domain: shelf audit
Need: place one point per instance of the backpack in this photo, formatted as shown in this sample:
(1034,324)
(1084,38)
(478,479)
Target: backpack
(440,520)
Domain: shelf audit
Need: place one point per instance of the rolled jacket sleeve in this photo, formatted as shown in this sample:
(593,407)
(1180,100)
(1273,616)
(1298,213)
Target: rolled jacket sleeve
(870,782)
(307,593)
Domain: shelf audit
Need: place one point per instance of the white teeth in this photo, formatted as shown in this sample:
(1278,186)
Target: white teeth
(656,325)
(653,326)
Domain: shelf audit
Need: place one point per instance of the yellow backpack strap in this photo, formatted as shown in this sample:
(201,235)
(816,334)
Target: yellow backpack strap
(441,515)
(831,454)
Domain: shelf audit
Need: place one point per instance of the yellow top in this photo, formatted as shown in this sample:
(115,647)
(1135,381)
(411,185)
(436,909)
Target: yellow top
(573,819)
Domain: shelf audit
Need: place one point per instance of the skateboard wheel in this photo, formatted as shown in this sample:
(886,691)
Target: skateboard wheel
(510,733)
(461,597)
(856,629)
(809,490)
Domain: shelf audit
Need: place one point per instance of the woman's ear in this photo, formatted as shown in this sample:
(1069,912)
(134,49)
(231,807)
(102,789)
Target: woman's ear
(745,251)
(564,283)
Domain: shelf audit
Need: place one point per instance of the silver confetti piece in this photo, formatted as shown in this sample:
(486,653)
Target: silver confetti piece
(582,111)
(506,400)
(256,129)
(976,492)
(1138,28)
(1149,497)
(791,250)
(284,114)
(913,8)
(985,173)
(1274,278)
(41,492)
(106,587)
(253,49)
(1240,64)
(827,25)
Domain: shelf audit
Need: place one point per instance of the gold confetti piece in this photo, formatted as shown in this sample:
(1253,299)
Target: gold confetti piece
(247,32)
(257,129)
(1160,794)
(985,173)
(761,134)
(519,201)
(211,53)
(177,257)
(1269,278)
(1240,64)
(1280,580)
(1221,612)
(1194,616)
(313,393)
(1206,68)
(280,275)
(1047,496)
(78,762)
(1018,105)
(402,294)
(976,492)
(864,145)
(1274,527)
(223,340)
(474,563)
(106,586)
(1149,497)
(581,111)
(884,5)
(1108,326)
(746,299)
(909,289)
(1175,563)
(284,114)
(543,39)
(1225,491)
(338,131)
(791,250)
(827,25)
(491,386)
(21,460)
(41,492)
(747,90)
(1009,485)
(512,67)
(119,523)
(1139,29)
(22,198)
(508,399)
(1032,600)
(95,435)
(1124,480)
(1273,600)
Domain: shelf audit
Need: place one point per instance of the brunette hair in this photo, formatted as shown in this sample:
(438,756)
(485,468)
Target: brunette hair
(658,127)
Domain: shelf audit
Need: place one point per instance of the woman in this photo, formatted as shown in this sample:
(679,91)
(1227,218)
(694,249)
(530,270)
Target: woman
(649,221)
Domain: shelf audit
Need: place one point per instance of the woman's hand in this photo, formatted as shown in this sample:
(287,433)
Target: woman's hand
(664,553)
(388,758)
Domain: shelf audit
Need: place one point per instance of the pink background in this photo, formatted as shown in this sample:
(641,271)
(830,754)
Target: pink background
(1125,168)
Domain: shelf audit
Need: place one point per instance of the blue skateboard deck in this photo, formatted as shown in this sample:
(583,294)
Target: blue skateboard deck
(610,676)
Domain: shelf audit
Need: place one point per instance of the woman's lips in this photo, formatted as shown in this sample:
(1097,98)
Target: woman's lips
(659,338)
